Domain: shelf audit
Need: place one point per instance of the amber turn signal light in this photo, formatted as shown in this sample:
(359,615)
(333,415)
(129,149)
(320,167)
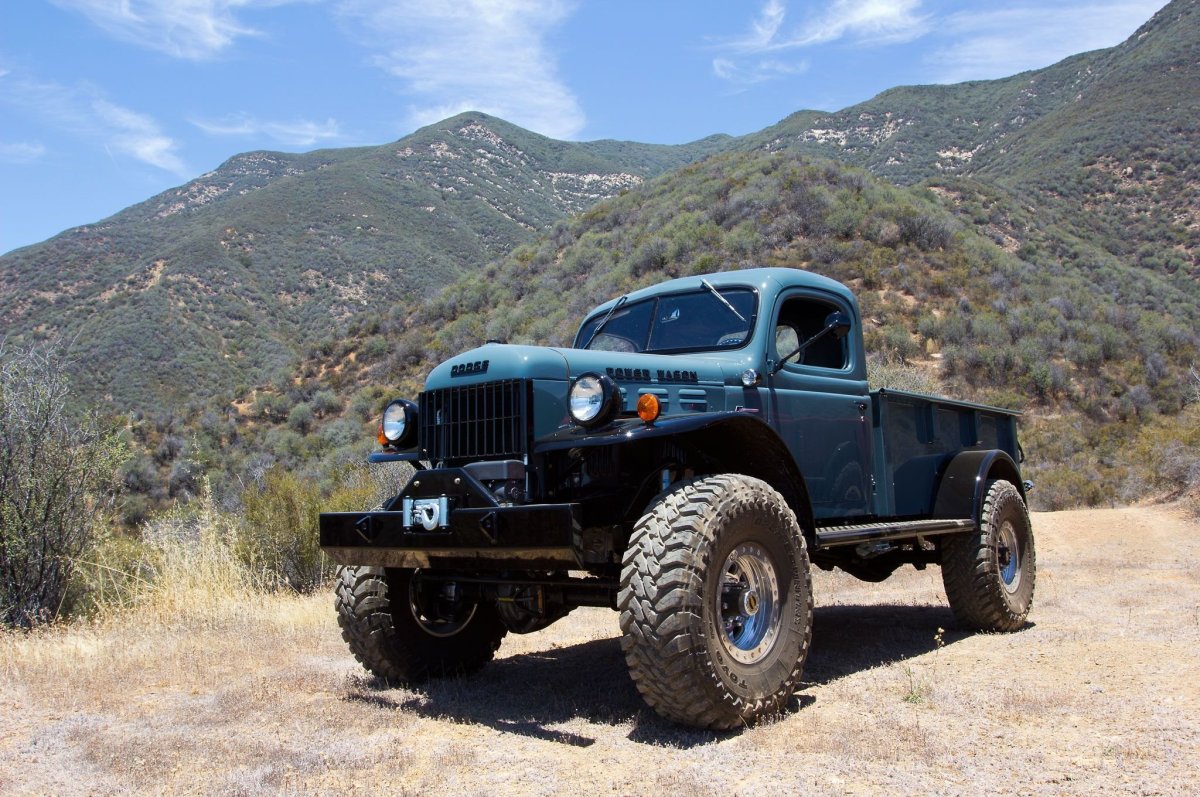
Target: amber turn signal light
(648,407)
(381,437)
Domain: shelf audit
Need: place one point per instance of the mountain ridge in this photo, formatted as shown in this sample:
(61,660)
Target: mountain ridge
(269,248)
(220,284)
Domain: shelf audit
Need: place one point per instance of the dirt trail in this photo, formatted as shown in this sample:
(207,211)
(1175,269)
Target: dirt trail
(1100,693)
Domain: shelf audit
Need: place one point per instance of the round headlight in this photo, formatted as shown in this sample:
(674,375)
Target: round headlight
(399,421)
(592,399)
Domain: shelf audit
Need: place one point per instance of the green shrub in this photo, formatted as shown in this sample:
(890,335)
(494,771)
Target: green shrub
(898,344)
(300,418)
(325,402)
(925,231)
(270,406)
(279,535)
(1061,487)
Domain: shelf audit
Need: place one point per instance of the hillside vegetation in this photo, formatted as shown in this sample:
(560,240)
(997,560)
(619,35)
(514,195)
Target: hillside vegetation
(1096,154)
(1090,367)
(1030,242)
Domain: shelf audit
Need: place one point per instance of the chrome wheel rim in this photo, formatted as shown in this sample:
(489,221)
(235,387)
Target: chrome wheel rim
(1008,557)
(747,603)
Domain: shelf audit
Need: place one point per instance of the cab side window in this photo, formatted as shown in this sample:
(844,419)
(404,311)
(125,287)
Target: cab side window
(799,319)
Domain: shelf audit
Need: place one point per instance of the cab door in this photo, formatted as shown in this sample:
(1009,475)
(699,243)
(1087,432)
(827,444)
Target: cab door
(818,401)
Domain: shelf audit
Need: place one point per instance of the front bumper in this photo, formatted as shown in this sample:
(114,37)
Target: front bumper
(471,530)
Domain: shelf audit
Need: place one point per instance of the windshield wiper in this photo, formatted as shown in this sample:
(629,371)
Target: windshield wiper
(724,301)
(607,316)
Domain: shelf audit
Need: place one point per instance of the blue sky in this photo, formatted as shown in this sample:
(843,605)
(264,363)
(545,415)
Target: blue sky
(104,103)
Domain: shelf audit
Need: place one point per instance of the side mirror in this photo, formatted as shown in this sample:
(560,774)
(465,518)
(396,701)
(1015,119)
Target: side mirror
(838,323)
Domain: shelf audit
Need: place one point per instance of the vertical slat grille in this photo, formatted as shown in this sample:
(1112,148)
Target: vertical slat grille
(486,421)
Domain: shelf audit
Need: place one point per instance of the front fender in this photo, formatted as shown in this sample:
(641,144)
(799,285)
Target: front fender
(730,442)
(630,430)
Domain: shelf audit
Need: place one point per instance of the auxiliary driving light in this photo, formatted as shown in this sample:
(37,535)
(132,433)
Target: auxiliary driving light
(648,408)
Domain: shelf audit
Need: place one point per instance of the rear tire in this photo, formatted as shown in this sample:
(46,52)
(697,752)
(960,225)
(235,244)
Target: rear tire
(382,620)
(716,602)
(989,574)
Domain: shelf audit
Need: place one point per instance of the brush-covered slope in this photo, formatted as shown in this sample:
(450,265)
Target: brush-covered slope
(1032,242)
(1102,144)
(1141,92)
(215,283)
(1090,355)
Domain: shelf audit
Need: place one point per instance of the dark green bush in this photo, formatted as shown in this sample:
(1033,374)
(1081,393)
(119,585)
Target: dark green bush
(279,538)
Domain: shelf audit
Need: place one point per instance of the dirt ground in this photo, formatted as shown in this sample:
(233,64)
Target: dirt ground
(1100,693)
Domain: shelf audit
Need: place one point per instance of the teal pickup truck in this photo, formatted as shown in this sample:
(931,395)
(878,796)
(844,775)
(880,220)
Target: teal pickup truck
(701,443)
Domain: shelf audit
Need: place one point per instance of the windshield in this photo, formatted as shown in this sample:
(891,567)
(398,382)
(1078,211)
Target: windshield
(702,320)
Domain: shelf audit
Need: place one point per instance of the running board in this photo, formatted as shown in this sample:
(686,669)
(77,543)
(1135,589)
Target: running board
(833,536)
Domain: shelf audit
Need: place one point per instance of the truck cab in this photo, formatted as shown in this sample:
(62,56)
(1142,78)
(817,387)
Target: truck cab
(723,421)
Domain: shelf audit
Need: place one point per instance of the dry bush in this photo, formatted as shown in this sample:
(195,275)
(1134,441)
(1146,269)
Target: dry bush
(57,474)
(893,374)
(199,560)
(1165,457)
(184,569)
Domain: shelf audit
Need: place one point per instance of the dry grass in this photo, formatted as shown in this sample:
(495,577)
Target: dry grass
(252,694)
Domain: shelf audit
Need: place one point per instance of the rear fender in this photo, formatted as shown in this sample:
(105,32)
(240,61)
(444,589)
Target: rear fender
(962,487)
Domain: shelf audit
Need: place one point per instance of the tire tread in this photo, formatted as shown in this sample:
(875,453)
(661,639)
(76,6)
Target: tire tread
(660,607)
(970,573)
(396,653)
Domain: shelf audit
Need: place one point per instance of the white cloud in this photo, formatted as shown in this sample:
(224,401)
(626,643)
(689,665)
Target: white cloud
(760,71)
(137,135)
(85,112)
(482,55)
(1000,40)
(21,152)
(763,28)
(192,29)
(869,21)
(297,133)
(999,43)
(865,22)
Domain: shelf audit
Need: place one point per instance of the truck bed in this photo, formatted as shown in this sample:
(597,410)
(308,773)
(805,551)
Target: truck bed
(916,435)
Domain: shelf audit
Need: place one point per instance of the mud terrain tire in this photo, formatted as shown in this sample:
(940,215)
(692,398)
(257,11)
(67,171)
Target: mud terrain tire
(716,602)
(387,634)
(989,574)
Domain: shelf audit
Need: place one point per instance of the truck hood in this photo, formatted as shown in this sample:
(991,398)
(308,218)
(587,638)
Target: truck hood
(644,368)
(502,361)
(499,361)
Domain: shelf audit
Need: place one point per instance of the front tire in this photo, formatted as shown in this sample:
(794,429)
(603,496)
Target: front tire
(989,574)
(716,602)
(400,634)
